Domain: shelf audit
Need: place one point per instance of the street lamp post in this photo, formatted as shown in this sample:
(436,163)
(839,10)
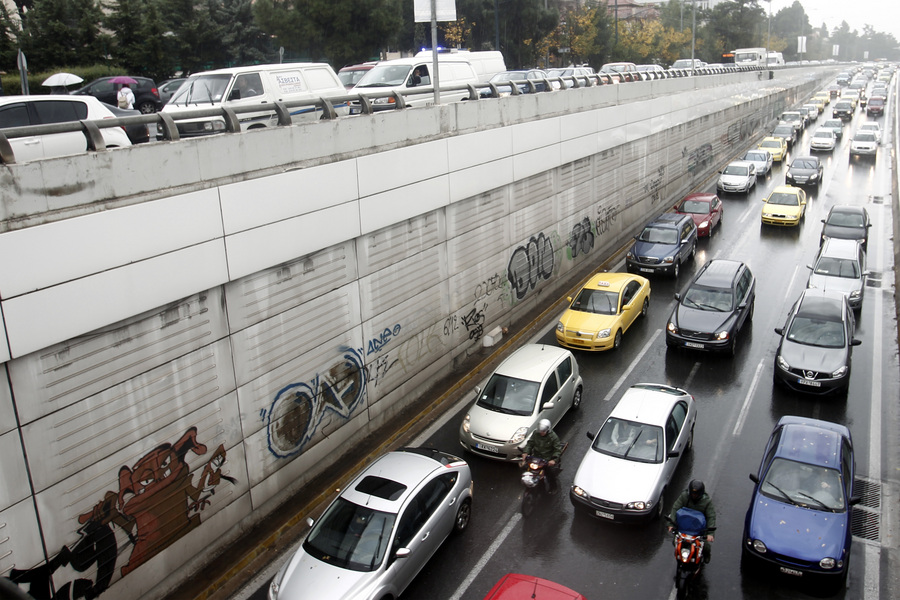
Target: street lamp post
(693,29)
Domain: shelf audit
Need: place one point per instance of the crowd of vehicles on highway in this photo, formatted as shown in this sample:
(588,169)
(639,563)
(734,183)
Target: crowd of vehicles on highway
(805,477)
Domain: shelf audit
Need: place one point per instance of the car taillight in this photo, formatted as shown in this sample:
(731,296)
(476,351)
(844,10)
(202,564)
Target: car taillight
(155,92)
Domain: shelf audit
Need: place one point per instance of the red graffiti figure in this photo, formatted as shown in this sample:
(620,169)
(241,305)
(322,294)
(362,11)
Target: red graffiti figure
(157,494)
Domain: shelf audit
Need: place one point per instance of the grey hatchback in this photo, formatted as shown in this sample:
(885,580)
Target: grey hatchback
(664,245)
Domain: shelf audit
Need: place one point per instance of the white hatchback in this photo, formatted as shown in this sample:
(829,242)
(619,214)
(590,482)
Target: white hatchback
(624,475)
(23,111)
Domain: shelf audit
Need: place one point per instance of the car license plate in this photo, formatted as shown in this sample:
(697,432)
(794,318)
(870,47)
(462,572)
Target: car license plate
(487,448)
(809,382)
(694,345)
(604,515)
(645,270)
(794,572)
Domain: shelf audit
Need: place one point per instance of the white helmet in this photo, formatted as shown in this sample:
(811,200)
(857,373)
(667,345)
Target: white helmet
(543,425)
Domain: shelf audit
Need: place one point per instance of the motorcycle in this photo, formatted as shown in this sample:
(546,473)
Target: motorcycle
(536,481)
(690,539)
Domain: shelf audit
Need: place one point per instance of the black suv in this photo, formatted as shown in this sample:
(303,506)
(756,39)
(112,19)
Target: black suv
(714,307)
(663,245)
(146,96)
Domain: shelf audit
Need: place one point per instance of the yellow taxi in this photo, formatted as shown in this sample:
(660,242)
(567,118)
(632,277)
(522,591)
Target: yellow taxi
(785,206)
(776,146)
(602,311)
(823,98)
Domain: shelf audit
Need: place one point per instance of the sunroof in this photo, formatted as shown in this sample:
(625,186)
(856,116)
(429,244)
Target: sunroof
(381,487)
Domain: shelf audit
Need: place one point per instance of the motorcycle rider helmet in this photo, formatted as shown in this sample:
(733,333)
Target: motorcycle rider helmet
(696,489)
(543,426)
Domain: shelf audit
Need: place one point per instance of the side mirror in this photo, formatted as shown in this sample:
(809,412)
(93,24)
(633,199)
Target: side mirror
(810,267)
(855,342)
(477,390)
(548,406)
(779,330)
(854,500)
(309,521)
(754,478)
(569,298)
(673,454)
(402,553)
(590,436)
(678,296)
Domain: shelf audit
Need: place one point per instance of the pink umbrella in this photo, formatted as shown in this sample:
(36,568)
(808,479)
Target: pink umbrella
(123,79)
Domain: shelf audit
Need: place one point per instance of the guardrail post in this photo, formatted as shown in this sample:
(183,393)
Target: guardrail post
(284,115)
(232,123)
(365,105)
(169,128)
(399,100)
(473,93)
(92,133)
(328,111)
(7,156)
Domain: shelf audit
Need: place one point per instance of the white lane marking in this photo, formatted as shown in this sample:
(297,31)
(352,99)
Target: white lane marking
(748,399)
(513,521)
(634,363)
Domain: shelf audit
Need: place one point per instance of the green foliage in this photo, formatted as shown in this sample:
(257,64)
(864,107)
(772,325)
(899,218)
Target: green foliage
(63,32)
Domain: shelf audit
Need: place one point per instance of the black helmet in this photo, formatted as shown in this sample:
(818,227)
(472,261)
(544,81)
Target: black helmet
(696,489)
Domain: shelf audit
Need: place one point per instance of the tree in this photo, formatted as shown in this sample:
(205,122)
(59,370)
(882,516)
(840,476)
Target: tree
(8,40)
(63,32)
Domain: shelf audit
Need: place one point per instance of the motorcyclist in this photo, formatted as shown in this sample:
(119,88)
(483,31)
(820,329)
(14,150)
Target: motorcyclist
(544,443)
(695,497)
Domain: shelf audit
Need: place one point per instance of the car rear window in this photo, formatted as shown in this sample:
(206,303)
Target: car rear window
(60,111)
(380,487)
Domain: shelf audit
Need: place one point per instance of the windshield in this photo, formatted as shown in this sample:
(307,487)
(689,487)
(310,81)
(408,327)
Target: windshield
(864,136)
(804,485)
(816,331)
(659,235)
(771,144)
(784,199)
(837,267)
(736,170)
(202,89)
(844,219)
(509,395)
(757,156)
(705,298)
(385,76)
(783,130)
(695,207)
(351,78)
(824,134)
(598,302)
(804,164)
(351,536)
(630,440)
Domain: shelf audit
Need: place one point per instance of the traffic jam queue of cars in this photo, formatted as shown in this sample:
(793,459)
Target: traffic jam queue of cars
(386,524)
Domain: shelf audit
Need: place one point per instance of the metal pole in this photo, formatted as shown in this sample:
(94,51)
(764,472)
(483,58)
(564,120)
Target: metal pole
(434,54)
(769,35)
(693,29)
(497,24)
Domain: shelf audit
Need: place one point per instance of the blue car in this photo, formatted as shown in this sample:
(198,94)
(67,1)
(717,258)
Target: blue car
(798,522)
(663,246)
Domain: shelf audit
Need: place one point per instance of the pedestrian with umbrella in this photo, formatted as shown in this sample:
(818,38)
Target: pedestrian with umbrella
(59,82)
(125,97)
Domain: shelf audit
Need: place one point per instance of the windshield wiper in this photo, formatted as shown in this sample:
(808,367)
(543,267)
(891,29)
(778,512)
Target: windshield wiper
(783,493)
(816,500)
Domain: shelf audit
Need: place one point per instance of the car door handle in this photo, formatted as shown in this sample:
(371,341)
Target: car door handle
(452,501)
(425,537)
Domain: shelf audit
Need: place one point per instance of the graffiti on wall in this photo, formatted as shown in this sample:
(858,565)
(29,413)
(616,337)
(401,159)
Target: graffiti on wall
(298,408)
(606,216)
(383,338)
(653,185)
(698,158)
(156,504)
(581,239)
(529,264)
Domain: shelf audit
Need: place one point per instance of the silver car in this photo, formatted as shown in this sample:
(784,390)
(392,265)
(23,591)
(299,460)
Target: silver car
(738,176)
(864,143)
(761,159)
(624,475)
(378,534)
(823,140)
(841,266)
(536,382)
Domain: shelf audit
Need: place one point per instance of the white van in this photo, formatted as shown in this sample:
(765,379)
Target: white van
(251,86)
(406,74)
(776,59)
(486,63)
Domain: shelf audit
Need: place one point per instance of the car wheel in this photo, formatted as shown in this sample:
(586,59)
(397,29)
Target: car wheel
(645,307)
(659,505)
(750,314)
(463,515)
(618,340)
(676,270)
(732,349)
(694,250)
(146,107)
(576,399)
(690,443)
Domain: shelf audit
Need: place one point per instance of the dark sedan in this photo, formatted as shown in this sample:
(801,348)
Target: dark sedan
(138,133)
(805,170)
(713,308)
(146,94)
(816,344)
(846,222)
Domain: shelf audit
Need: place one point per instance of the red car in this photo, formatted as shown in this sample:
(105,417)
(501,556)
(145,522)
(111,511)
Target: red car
(513,586)
(705,209)
(875,107)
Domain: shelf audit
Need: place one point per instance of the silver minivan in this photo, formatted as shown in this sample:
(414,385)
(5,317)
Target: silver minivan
(536,382)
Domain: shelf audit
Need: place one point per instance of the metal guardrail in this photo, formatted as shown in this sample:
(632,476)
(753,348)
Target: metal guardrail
(167,129)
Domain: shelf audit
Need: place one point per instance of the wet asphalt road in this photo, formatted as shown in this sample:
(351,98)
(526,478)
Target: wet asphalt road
(737,404)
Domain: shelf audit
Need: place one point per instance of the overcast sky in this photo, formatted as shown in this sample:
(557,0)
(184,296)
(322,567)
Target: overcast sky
(882,15)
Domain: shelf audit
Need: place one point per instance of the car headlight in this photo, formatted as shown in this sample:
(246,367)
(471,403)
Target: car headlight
(814,176)
(811,285)
(560,327)
(783,364)
(389,100)
(603,333)
(759,546)
(640,505)
(672,328)
(827,563)
(704,224)
(519,436)
(579,492)
(855,295)
(722,335)
(465,424)
(840,372)
(669,259)
(630,255)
